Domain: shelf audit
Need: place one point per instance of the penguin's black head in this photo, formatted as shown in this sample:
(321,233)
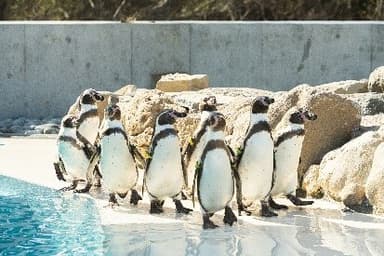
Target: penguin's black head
(169,116)
(70,121)
(113,112)
(208,104)
(91,96)
(217,121)
(261,104)
(302,115)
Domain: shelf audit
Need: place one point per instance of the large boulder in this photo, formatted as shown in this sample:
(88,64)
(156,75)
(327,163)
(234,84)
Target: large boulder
(344,171)
(139,112)
(375,182)
(370,103)
(345,87)
(310,182)
(182,82)
(376,80)
(337,118)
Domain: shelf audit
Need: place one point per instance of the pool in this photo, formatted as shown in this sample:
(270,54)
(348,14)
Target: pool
(36,220)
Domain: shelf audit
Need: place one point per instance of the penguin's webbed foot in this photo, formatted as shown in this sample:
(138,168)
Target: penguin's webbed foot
(180,208)
(113,200)
(275,205)
(135,197)
(69,188)
(242,208)
(265,211)
(207,223)
(156,207)
(297,201)
(83,190)
(229,216)
(97,177)
(183,196)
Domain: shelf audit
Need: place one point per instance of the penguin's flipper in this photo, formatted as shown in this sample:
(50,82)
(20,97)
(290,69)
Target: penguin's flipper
(188,151)
(185,173)
(239,193)
(198,168)
(60,169)
(140,159)
(93,170)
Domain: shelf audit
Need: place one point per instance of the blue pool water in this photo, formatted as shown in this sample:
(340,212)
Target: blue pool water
(40,221)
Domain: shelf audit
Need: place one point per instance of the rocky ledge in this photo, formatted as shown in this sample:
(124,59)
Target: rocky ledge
(342,149)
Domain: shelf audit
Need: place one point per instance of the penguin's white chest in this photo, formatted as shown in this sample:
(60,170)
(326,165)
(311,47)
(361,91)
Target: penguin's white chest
(195,157)
(75,161)
(89,128)
(216,188)
(117,165)
(256,166)
(287,157)
(164,176)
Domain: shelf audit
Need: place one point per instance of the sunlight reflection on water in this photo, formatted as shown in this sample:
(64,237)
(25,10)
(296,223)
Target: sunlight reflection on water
(40,221)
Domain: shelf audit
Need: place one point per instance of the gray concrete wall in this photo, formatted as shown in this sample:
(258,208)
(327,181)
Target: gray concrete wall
(45,65)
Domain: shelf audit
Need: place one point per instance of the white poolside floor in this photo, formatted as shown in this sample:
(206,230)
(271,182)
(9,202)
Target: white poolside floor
(318,229)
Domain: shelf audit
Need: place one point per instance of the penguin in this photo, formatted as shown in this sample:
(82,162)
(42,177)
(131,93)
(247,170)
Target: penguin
(254,163)
(288,140)
(195,145)
(116,158)
(214,177)
(164,175)
(87,130)
(89,120)
(72,153)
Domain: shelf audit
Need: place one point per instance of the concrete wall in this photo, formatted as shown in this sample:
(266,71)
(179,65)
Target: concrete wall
(45,65)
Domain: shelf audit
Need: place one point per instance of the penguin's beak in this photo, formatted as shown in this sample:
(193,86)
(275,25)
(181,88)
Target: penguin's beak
(309,115)
(99,97)
(178,114)
(75,122)
(270,101)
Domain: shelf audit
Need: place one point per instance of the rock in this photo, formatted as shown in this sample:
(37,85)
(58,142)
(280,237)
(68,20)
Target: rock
(343,172)
(345,87)
(49,128)
(182,82)
(139,114)
(374,186)
(376,80)
(370,103)
(140,111)
(331,129)
(310,182)
(129,89)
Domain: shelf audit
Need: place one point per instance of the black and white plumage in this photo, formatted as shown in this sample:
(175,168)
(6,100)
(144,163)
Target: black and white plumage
(73,154)
(288,140)
(165,176)
(196,144)
(88,123)
(255,160)
(214,174)
(117,163)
